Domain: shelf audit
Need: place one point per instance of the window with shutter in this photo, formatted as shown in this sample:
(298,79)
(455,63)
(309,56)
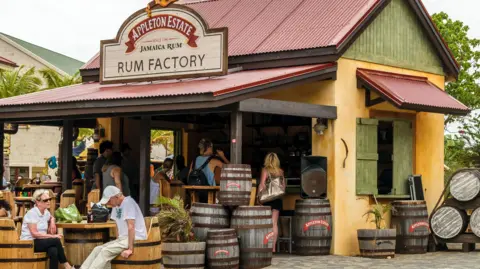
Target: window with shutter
(367,156)
(402,155)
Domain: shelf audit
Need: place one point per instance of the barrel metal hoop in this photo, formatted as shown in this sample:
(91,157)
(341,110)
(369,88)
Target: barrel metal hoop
(248,227)
(202,225)
(195,214)
(167,266)
(423,236)
(313,248)
(225,192)
(7,228)
(168,252)
(312,206)
(224,260)
(221,237)
(376,237)
(16,246)
(252,217)
(215,206)
(147,244)
(155,225)
(71,195)
(130,262)
(231,266)
(237,179)
(223,245)
(24,260)
(256,208)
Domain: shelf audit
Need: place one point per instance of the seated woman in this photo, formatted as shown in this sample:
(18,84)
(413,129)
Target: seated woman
(113,174)
(38,225)
(4,207)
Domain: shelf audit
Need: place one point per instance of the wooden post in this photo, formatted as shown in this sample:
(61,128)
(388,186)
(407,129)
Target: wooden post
(2,139)
(67,132)
(145,165)
(236,137)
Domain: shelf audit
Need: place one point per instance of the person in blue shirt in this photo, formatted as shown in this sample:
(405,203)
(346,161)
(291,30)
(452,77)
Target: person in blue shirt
(215,161)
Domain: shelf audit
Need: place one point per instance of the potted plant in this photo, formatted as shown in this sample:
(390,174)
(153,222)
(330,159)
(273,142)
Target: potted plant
(179,246)
(379,242)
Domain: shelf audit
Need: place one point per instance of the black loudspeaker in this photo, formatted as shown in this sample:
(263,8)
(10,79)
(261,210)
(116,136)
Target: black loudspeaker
(314,177)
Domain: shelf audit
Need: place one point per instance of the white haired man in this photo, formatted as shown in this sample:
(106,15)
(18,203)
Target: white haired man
(130,226)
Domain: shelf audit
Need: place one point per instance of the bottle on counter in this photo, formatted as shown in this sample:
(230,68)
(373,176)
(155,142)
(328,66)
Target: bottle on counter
(89,216)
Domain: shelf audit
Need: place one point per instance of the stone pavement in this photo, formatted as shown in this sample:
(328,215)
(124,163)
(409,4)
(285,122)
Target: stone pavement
(437,260)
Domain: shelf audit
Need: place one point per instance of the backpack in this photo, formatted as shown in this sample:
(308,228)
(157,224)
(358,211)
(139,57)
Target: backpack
(197,177)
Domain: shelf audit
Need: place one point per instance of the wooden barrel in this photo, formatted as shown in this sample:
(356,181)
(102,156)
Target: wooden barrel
(79,243)
(254,229)
(447,222)
(222,249)
(15,253)
(235,185)
(312,227)
(475,221)
(465,185)
(207,217)
(190,255)
(67,198)
(410,219)
(377,243)
(148,253)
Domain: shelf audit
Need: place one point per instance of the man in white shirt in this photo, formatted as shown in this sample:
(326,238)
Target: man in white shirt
(130,225)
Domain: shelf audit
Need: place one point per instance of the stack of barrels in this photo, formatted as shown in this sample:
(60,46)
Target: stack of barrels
(240,236)
(451,219)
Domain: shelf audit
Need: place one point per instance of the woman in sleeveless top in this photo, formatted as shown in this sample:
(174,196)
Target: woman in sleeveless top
(271,169)
(113,174)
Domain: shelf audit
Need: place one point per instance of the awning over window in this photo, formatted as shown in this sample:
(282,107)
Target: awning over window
(409,92)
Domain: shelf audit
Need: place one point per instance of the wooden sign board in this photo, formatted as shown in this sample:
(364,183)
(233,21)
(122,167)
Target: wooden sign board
(163,43)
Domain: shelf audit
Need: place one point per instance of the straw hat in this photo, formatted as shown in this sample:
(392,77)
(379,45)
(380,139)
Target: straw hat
(2,197)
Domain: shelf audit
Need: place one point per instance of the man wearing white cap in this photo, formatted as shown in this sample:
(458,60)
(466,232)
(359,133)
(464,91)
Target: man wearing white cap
(130,225)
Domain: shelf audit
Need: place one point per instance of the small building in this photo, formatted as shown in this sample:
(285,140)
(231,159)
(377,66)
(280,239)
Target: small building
(359,83)
(26,154)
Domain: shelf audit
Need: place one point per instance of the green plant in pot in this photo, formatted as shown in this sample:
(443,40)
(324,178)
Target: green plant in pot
(178,242)
(379,242)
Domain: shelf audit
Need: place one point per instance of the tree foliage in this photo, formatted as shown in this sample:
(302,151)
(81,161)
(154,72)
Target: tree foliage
(466,51)
(164,137)
(18,81)
(55,80)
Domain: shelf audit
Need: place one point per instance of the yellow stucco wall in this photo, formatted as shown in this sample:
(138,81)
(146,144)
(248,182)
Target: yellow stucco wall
(347,207)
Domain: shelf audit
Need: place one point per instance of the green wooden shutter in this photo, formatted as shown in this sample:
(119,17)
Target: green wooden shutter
(367,156)
(402,155)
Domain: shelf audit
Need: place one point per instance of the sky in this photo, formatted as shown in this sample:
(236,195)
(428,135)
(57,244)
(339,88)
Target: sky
(75,27)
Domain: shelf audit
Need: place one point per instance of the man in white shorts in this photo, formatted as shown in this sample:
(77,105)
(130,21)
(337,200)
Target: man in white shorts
(130,226)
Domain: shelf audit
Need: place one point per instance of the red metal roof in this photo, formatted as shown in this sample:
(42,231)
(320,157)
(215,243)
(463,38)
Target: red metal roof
(411,92)
(264,26)
(215,86)
(6,61)
(93,63)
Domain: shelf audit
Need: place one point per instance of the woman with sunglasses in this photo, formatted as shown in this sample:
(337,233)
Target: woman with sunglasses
(39,225)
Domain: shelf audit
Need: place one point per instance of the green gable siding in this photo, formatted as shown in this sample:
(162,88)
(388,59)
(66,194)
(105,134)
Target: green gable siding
(62,62)
(396,38)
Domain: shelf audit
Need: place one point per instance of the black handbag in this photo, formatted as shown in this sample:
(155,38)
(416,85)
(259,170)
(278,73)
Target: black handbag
(99,213)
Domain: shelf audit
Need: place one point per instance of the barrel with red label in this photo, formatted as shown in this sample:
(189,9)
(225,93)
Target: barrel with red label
(222,249)
(235,184)
(410,219)
(254,228)
(312,227)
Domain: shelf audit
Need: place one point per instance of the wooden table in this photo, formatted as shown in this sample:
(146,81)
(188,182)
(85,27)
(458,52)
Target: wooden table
(56,187)
(81,238)
(192,190)
(22,204)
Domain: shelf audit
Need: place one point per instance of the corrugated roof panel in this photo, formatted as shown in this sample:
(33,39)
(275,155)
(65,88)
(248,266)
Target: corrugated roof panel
(93,63)
(268,20)
(314,24)
(215,86)
(411,90)
(241,16)
(213,11)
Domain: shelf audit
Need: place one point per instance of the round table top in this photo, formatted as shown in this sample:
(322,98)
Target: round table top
(84,225)
(22,199)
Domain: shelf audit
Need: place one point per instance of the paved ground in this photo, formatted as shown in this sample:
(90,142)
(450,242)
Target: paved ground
(437,260)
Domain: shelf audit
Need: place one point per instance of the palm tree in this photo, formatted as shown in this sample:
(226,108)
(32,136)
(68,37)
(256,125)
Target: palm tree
(15,82)
(55,80)
(163,137)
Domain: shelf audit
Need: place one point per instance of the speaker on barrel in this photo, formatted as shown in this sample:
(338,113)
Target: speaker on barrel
(314,177)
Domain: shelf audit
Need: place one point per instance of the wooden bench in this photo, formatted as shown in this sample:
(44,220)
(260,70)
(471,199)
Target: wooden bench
(147,253)
(15,253)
